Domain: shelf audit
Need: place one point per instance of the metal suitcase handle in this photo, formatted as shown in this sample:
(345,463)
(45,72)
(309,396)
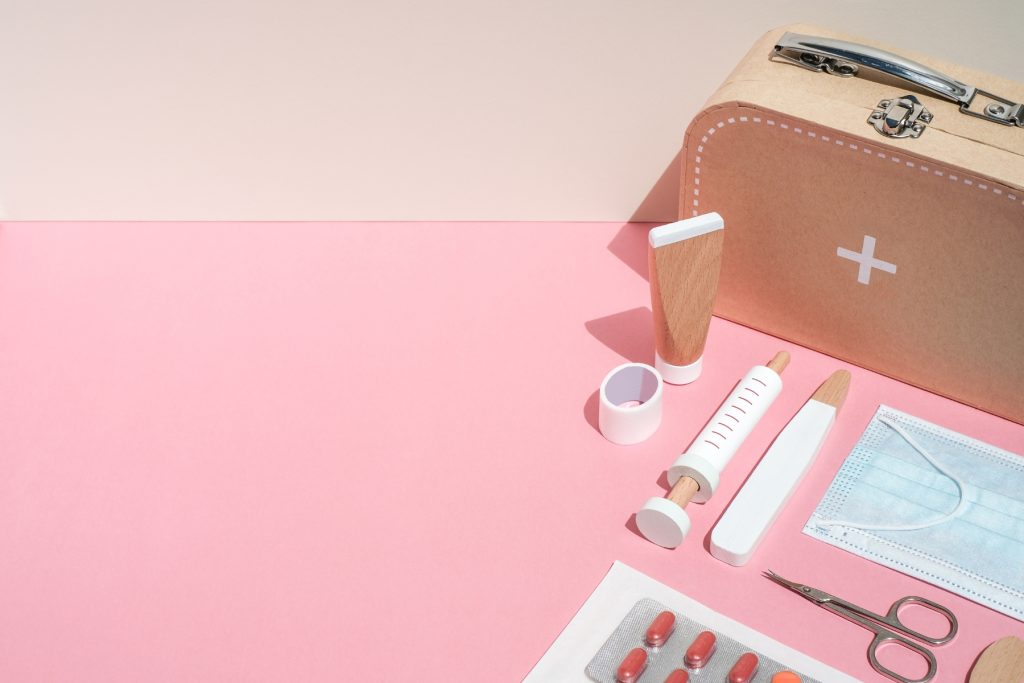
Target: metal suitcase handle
(841,58)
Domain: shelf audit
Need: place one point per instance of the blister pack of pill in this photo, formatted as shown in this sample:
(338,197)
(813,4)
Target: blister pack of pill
(653,644)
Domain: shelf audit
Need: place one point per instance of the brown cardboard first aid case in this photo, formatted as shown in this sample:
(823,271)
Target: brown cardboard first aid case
(904,255)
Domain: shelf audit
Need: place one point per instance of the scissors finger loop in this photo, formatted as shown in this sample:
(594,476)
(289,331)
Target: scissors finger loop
(883,638)
(893,620)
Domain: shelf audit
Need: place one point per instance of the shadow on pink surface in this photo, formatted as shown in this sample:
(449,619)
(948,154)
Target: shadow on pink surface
(633,528)
(629,334)
(630,246)
(590,409)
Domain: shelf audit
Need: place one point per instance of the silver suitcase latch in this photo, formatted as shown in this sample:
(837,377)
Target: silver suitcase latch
(841,58)
(900,117)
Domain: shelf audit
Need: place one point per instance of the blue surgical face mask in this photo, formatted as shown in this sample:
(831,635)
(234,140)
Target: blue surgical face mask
(934,504)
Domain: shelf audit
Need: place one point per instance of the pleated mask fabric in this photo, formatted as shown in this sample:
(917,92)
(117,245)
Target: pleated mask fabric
(934,504)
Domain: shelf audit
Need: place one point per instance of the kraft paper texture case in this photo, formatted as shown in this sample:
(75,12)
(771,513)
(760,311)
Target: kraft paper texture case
(787,157)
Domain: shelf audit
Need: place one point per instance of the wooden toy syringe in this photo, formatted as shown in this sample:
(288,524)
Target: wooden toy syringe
(694,475)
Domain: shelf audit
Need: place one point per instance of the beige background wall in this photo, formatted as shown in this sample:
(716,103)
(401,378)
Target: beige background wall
(396,109)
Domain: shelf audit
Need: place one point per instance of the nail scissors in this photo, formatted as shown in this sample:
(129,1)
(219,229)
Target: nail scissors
(887,628)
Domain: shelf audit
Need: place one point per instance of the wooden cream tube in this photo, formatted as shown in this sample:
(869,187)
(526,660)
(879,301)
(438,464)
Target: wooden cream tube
(683,260)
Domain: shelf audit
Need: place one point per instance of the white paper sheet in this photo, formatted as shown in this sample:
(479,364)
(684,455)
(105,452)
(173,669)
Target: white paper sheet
(566,660)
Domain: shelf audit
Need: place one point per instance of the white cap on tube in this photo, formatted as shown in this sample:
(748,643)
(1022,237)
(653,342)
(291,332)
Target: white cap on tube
(678,374)
(630,403)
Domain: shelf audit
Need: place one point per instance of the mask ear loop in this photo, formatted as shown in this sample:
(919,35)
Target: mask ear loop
(910,527)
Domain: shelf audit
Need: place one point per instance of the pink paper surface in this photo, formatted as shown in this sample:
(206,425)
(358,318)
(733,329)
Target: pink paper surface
(324,452)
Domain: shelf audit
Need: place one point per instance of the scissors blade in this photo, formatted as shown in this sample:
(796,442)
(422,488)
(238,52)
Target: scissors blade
(813,594)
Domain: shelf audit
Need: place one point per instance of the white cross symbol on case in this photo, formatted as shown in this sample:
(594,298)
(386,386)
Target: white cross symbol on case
(866,259)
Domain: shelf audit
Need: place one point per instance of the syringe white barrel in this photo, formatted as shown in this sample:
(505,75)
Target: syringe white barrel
(725,432)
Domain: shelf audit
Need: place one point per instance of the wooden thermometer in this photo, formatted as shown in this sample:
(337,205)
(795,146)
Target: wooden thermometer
(769,486)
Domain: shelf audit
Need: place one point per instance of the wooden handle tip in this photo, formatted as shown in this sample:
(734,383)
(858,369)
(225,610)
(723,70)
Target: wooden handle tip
(779,362)
(833,390)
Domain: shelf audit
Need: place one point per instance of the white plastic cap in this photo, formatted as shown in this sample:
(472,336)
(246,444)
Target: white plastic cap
(630,403)
(678,374)
(663,522)
(700,470)
(685,229)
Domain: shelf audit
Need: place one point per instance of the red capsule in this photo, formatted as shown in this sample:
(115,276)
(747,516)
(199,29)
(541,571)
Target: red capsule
(632,666)
(744,669)
(699,653)
(660,629)
(678,676)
